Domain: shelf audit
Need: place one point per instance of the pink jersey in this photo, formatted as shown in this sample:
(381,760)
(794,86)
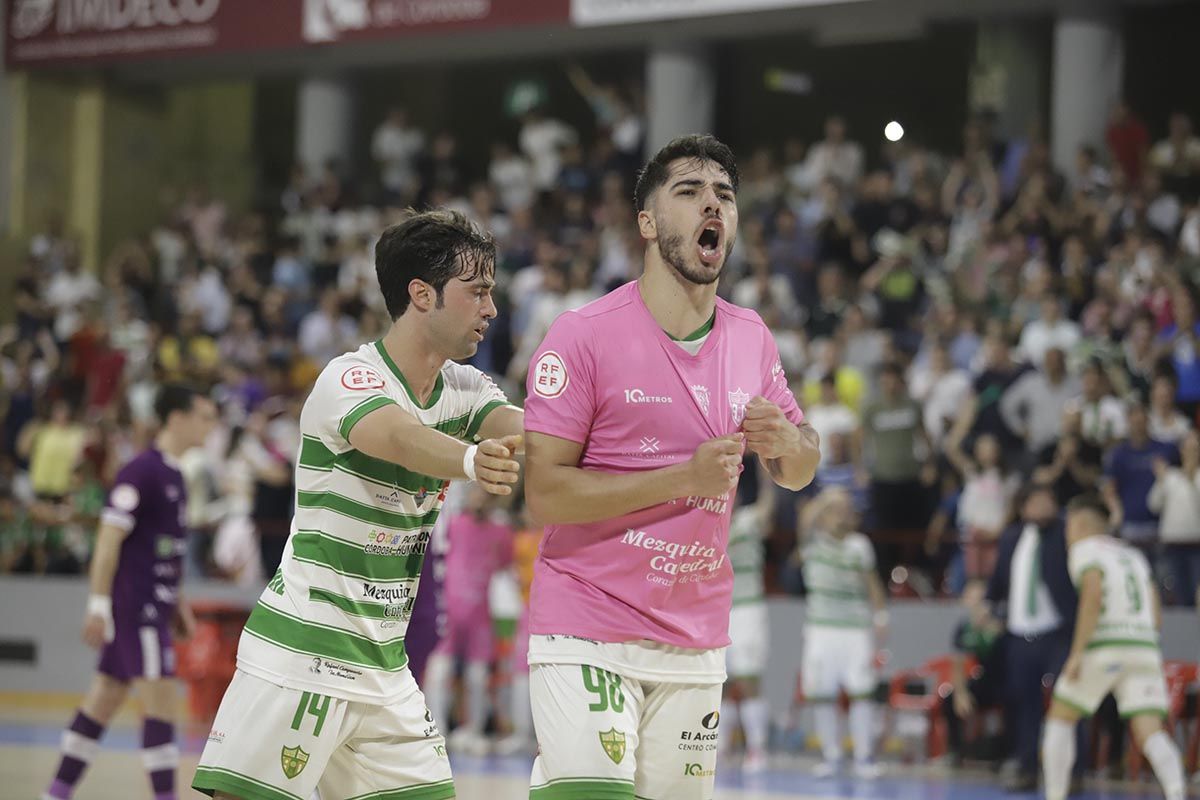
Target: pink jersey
(607,376)
(478,549)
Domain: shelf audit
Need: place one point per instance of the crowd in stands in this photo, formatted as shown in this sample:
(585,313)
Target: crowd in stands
(956,325)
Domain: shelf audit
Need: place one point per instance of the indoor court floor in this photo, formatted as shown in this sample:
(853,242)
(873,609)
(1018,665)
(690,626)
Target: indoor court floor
(30,729)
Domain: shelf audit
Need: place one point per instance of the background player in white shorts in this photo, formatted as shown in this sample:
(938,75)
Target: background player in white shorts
(639,407)
(322,697)
(845,601)
(748,629)
(1115,649)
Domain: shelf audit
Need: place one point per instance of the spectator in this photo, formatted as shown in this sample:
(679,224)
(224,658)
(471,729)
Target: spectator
(997,373)
(1050,330)
(1166,423)
(1091,178)
(1180,342)
(1102,416)
(1072,465)
(68,292)
(830,306)
(833,157)
(978,678)
(1175,496)
(986,496)
(1033,406)
(1178,156)
(512,175)
(941,389)
(542,139)
(1129,475)
(1032,591)
(850,382)
(54,447)
(832,417)
(1128,140)
(395,147)
(326,332)
(892,432)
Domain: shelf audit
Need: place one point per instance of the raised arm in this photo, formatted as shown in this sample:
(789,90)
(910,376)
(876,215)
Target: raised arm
(559,491)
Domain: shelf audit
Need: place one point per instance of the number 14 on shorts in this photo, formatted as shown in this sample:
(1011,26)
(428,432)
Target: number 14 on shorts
(606,686)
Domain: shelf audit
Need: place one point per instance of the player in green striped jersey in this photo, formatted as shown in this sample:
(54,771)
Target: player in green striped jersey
(323,698)
(1115,649)
(845,621)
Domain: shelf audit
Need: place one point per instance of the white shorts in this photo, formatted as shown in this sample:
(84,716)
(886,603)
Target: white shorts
(272,743)
(746,656)
(835,659)
(603,737)
(1133,674)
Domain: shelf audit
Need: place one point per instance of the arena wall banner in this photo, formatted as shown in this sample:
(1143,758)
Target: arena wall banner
(62,32)
(586,13)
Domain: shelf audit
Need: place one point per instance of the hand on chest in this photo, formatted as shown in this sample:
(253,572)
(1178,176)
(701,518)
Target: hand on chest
(653,407)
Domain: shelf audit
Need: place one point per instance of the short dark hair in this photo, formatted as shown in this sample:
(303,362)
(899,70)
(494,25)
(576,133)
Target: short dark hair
(699,146)
(435,247)
(1091,502)
(174,397)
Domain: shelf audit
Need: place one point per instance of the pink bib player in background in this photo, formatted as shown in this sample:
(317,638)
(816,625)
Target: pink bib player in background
(481,544)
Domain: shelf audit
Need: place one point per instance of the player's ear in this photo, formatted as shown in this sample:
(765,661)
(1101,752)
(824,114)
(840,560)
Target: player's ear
(421,294)
(647,227)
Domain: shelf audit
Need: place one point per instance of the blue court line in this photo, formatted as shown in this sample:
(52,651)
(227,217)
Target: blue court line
(785,782)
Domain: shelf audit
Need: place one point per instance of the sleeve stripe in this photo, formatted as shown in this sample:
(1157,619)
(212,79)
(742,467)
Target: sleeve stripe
(117,519)
(355,415)
(481,415)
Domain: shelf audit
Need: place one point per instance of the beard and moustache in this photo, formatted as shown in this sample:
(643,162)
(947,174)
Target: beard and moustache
(672,248)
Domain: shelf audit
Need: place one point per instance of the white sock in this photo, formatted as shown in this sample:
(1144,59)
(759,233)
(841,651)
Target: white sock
(825,715)
(755,720)
(730,719)
(522,712)
(1164,759)
(862,729)
(477,704)
(436,685)
(1058,757)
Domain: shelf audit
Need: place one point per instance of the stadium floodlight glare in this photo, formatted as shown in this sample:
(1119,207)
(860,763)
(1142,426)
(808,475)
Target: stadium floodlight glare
(893,131)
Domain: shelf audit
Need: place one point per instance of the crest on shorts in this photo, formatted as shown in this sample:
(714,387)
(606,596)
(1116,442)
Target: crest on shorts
(613,742)
(738,400)
(293,760)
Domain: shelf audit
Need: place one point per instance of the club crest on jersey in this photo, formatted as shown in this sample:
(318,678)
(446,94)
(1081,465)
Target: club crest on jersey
(738,400)
(701,395)
(613,742)
(359,378)
(293,760)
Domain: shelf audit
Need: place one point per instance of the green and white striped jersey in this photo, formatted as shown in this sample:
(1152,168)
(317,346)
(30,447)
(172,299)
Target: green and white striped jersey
(1127,613)
(835,576)
(746,531)
(332,620)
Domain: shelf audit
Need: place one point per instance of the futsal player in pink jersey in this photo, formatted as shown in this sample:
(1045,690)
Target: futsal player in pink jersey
(640,406)
(480,546)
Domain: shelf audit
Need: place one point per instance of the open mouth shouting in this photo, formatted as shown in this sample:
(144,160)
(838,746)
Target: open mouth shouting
(710,242)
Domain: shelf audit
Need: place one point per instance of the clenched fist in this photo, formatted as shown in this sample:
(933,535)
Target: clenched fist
(714,468)
(495,468)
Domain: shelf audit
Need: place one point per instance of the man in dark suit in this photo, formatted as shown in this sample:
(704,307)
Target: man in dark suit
(1031,590)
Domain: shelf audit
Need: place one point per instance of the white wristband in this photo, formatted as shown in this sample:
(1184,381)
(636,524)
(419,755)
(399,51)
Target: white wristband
(881,619)
(100,605)
(469,462)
